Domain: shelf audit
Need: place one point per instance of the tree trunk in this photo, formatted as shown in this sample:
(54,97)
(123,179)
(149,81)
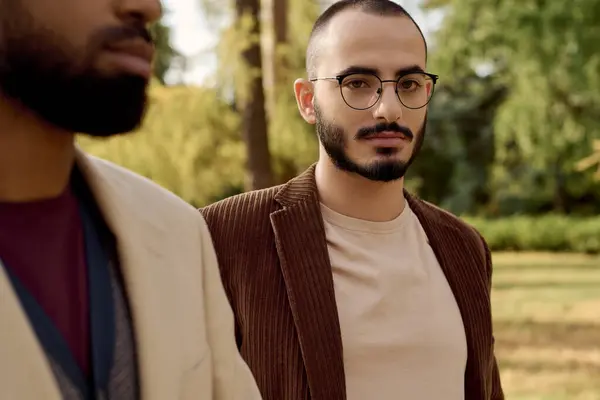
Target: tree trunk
(280,25)
(254,120)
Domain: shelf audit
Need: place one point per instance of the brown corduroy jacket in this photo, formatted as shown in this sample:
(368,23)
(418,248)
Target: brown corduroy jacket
(275,267)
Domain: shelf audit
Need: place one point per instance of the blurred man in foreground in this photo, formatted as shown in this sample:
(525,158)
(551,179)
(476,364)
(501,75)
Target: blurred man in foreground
(344,285)
(104,291)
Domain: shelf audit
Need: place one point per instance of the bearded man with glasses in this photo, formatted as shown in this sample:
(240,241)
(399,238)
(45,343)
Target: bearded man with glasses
(344,285)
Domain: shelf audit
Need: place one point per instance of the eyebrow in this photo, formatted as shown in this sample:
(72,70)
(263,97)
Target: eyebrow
(358,69)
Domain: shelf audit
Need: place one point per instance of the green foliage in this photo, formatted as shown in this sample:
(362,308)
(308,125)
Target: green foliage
(545,54)
(189,144)
(293,141)
(557,233)
(454,165)
(165,54)
(234,75)
(592,161)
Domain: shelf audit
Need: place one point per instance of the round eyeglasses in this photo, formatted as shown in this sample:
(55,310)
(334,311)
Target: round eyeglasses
(362,91)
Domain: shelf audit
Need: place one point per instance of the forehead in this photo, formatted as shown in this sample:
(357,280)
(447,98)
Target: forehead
(386,43)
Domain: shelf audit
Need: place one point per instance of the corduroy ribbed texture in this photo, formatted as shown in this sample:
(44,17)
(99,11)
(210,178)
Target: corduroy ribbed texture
(272,252)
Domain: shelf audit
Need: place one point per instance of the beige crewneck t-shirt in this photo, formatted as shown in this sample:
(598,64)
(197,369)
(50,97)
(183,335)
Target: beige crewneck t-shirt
(402,331)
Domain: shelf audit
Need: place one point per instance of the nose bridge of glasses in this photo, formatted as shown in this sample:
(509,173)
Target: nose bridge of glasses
(382,85)
(388,106)
(381,89)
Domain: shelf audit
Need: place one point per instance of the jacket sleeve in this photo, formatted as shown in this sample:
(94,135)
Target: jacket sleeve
(496,386)
(232,379)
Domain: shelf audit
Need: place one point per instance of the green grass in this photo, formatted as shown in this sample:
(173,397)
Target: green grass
(546,310)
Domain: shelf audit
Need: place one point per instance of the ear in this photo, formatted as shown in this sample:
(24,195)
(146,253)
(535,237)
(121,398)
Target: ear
(304,91)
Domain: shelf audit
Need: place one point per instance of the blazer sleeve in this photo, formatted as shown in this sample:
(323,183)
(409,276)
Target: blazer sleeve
(232,379)
(496,393)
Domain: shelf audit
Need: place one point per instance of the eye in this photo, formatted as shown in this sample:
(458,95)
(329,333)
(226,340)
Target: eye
(409,85)
(356,84)
(412,82)
(360,82)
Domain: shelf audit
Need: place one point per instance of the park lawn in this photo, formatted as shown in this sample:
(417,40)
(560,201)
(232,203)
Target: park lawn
(546,310)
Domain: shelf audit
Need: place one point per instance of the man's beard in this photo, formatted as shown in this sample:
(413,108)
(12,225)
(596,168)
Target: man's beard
(333,140)
(42,72)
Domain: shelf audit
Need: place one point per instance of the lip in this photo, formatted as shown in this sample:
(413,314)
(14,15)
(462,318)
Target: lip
(134,56)
(137,48)
(388,139)
(387,135)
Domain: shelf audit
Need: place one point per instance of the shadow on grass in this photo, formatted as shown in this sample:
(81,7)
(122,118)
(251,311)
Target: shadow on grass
(511,335)
(514,284)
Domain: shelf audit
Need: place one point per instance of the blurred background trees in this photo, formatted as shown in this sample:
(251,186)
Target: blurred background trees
(511,127)
(545,55)
(165,54)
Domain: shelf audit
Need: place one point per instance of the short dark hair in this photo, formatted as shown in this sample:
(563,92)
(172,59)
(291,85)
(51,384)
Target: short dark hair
(376,7)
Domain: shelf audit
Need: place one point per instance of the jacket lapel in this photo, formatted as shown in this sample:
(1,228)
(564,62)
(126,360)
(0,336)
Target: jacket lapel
(466,277)
(302,249)
(143,269)
(24,369)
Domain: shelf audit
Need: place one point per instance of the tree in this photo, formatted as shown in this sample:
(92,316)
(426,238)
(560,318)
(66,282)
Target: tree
(189,144)
(455,163)
(252,101)
(293,141)
(165,54)
(545,53)
(280,29)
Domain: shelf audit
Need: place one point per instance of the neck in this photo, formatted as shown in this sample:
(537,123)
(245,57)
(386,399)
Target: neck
(35,158)
(354,196)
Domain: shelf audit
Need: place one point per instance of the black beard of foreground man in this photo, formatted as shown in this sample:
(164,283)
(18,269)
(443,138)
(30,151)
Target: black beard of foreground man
(344,285)
(109,284)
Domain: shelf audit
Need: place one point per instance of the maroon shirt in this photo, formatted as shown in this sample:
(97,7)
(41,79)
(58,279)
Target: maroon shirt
(42,244)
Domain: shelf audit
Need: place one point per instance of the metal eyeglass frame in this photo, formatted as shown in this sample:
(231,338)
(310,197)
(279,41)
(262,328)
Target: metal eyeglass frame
(340,79)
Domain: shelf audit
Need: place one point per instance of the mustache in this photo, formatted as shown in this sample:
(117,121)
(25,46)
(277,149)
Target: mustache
(365,133)
(115,34)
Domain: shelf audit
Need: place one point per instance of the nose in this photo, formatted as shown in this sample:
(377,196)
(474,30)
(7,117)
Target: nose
(140,11)
(388,107)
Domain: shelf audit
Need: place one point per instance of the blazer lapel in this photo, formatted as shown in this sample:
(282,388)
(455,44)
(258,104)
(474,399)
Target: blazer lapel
(24,369)
(464,275)
(302,249)
(143,270)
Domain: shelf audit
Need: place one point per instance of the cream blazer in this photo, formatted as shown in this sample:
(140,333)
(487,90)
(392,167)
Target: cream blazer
(183,322)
